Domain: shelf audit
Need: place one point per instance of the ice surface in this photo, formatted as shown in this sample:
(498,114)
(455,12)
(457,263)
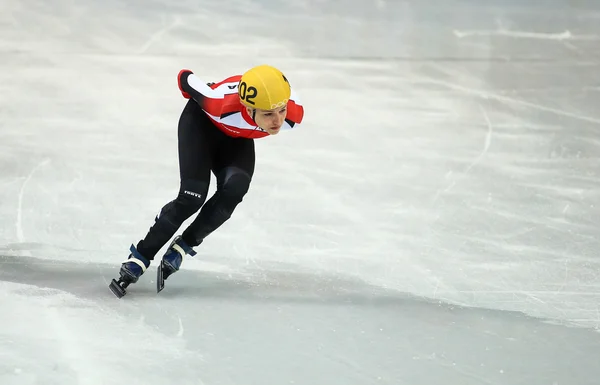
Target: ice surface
(435,219)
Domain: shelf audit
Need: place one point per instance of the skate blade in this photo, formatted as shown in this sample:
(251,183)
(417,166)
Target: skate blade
(160,281)
(117,289)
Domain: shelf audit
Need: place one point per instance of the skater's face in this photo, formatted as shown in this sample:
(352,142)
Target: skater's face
(270,120)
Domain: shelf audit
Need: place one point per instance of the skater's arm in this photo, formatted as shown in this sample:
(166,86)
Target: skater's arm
(295,113)
(192,87)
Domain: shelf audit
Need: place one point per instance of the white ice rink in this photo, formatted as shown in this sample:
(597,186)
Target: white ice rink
(435,220)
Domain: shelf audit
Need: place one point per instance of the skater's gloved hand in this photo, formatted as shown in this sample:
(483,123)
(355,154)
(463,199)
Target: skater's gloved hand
(181,73)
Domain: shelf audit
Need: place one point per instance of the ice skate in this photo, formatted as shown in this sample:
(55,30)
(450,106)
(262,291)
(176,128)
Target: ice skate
(130,272)
(172,261)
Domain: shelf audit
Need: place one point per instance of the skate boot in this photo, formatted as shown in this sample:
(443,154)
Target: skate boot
(130,272)
(171,261)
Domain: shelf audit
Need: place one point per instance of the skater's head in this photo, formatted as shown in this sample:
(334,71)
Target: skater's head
(269,120)
(265,92)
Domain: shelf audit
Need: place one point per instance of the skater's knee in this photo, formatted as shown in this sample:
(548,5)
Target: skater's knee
(236,184)
(234,187)
(191,197)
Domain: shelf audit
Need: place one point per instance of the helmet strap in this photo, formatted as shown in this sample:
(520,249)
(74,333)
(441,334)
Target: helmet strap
(254,115)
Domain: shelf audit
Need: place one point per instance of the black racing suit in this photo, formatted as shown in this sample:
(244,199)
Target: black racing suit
(203,148)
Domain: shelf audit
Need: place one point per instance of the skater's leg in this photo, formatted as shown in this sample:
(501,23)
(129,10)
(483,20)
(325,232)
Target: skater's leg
(234,168)
(196,146)
(232,185)
(190,198)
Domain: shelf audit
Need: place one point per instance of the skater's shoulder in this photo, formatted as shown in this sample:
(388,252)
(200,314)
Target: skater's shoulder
(226,86)
(230,82)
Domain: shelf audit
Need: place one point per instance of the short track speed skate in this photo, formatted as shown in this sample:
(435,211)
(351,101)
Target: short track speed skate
(130,272)
(171,261)
(118,287)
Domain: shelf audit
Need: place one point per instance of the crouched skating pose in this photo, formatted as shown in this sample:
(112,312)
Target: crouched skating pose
(216,133)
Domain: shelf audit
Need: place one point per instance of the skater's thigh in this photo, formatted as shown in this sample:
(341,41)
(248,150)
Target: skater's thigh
(196,144)
(235,154)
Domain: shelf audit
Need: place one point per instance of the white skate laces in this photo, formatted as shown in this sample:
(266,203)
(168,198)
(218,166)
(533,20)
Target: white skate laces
(137,262)
(179,249)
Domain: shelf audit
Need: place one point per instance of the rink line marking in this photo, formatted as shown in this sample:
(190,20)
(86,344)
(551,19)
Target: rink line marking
(19,222)
(565,35)
(488,95)
(157,35)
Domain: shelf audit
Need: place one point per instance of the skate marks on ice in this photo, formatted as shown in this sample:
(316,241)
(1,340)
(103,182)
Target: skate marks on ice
(268,326)
(55,330)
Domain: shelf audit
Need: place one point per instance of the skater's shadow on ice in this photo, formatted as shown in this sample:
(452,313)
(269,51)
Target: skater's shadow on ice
(90,281)
(80,279)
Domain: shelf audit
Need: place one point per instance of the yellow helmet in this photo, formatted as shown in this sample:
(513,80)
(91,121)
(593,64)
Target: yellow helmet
(264,87)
